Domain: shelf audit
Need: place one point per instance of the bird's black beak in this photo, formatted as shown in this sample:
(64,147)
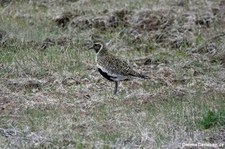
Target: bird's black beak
(90,45)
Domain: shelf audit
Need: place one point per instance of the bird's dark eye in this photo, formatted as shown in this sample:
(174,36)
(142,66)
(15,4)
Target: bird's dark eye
(97,47)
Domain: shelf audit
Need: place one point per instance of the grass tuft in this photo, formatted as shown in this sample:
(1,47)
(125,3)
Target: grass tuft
(211,119)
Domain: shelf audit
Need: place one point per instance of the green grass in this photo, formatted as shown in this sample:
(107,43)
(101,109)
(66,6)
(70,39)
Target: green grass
(40,117)
(212,119)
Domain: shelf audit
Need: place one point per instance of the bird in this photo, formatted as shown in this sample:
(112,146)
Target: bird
(111,67)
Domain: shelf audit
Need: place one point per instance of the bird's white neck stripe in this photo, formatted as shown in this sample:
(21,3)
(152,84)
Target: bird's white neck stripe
(100,49)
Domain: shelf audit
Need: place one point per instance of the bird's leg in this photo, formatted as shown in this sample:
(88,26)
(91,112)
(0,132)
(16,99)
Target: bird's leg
(116,86)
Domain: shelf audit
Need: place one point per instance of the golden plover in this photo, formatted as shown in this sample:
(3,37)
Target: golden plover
(111,67)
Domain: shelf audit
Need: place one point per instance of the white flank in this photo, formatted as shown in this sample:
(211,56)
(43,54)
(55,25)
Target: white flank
(115,77)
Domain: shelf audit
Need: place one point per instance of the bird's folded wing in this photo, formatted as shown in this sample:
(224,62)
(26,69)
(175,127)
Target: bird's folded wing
(120,67)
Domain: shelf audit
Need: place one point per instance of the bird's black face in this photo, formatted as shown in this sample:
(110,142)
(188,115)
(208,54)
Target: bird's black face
(97,47)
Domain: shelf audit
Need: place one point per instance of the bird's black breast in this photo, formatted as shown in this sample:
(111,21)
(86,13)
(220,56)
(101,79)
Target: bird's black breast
(106,75)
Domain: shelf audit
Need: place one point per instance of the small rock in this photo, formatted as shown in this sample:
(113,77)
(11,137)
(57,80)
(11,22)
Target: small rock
(64,19)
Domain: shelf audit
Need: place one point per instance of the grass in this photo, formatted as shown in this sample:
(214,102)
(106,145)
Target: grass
(211,119)
(53,97)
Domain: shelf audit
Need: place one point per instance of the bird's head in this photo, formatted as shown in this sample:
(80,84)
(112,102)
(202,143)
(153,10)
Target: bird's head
(97,46)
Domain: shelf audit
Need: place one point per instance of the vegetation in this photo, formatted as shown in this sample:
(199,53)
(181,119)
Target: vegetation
(51,95)
(212,118)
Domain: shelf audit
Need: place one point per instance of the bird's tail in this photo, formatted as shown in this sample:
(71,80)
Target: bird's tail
(143,76)
(140,75)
